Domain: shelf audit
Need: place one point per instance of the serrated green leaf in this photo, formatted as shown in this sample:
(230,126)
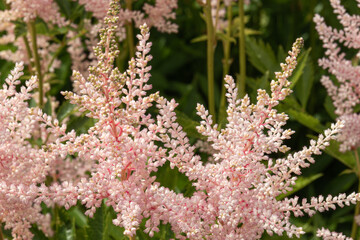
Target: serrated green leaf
(261,56)
(64,7)
(304,85)
(41,28)
(98,225)
(301,182)
(189,125)
(302,61)
(117,232)
(65,110)
(38,235)
(20,29)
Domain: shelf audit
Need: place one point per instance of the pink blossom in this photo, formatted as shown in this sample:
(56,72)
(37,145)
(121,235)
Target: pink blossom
(345,94)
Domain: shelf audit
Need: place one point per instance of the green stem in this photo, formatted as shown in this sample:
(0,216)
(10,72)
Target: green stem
(226,62)
(32,30)
(354,229)
(28,51)
(242,61)
(130,32)
(210,57)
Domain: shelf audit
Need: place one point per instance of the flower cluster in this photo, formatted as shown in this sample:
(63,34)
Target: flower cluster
(158,15)
(237,194)
(127,144)
(327,235)
(345,93)
(22,164)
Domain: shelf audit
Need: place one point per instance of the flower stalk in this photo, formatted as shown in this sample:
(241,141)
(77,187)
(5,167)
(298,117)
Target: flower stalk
(242,61)
(210,56)
(35,54)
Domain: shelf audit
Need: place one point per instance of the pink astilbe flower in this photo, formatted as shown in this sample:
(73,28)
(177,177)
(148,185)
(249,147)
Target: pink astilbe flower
(346,92)
(21,12)
(158,15)
(327,235)
(235,196)
(28,10)
(22,165)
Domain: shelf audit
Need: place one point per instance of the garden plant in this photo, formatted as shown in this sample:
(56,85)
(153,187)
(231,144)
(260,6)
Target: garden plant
(166,119)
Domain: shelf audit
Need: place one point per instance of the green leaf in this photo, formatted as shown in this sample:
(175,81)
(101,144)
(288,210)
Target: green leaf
(98,226)
(38,235)
(261,56)
(290,102)
(79,218)
(80,124)
(307,120)
(281,54)
(340,184)
(301,182)
(117,232)
(302,61)
(41,28)
(223,37)
(174,180)
(65,110)
(20,29)
(346,158)
(249,31)
(329,107)
(189,125)
(64,7)
(199,39)
(304,86)
(47,107)
(70,233)
(259,83)
(347,171)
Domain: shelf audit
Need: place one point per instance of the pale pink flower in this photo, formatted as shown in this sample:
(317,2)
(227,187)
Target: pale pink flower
(28,10)
(346,92)
(22,165)
(327,235)
(236,189)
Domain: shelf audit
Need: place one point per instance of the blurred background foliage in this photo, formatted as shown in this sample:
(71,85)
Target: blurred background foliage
(179,71)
